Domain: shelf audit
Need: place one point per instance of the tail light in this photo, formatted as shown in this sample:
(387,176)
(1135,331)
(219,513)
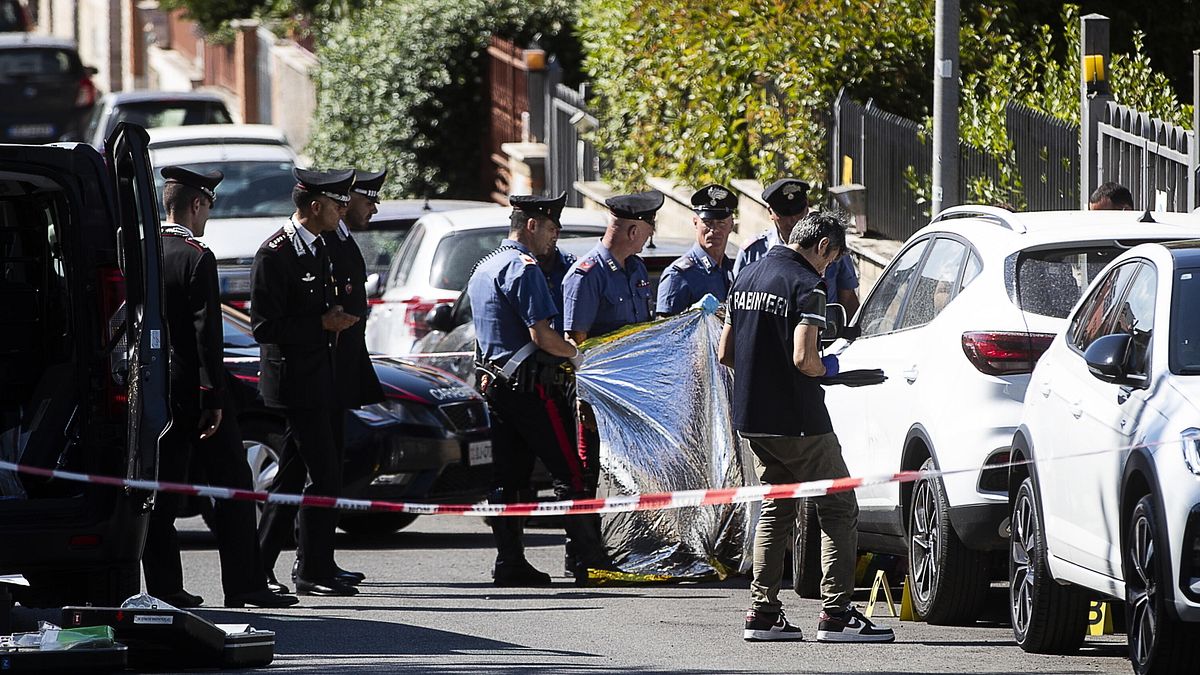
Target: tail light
(416,314)
(997,353)
(87,93)
(112,313)
(243,305)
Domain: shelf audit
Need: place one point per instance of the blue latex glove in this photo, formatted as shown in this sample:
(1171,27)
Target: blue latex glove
(708,304)
(832,367)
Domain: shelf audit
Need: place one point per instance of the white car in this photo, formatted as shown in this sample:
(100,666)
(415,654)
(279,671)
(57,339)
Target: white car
(434,263)
(957,322)
(253,200)
(154,109)
(1110,505)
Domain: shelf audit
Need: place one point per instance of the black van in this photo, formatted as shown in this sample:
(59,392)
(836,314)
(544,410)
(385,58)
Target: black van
(83,365)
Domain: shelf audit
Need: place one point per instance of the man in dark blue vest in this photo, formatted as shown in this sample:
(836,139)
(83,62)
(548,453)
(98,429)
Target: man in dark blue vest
(776,311)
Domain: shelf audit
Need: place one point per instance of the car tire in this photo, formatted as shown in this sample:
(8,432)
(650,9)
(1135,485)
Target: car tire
(375,524)
(806,551)
(1158,641)
(1047,617)
(949,581)
(111,586)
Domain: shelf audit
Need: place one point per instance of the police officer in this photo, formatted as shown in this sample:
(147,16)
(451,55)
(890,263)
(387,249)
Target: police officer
(519,359)
(193,308)
(771,339)
(297,321)
(704,268)
(608,289)
(787,201)
(555,265)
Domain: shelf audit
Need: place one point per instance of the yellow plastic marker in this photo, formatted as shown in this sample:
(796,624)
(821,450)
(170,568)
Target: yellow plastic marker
(1100,620)
(881,581)
(906,610)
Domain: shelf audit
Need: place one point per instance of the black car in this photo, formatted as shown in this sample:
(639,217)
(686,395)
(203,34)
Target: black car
(429,441)
(47,91)
(83,365)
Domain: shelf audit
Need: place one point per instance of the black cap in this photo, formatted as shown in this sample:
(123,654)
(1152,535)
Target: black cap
(204,182)
(369,183)
(638,206)
(551,207)
(333,184)
(714,202)
(787,196)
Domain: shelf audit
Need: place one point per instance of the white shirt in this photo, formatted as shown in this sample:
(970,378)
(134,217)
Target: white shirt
(306,242)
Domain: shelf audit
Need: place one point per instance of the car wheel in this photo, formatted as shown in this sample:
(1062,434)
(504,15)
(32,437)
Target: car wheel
(949,581)
(1047,617)
(806,551)
(375,524)
(263,441)
(1158,642)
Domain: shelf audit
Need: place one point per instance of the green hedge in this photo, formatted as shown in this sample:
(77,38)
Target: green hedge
(401,85)
(726,89)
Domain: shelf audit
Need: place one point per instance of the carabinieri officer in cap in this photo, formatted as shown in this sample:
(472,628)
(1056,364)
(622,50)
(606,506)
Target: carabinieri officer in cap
(606,290)
(519,368)
(191,297)
(704,268)
(296,321)
(787,202)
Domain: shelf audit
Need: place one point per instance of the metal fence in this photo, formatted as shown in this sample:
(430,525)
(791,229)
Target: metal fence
(1151,157)
(889,156)
(571,156)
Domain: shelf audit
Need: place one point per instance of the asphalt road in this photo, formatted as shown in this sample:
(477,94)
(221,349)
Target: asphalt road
(428,607)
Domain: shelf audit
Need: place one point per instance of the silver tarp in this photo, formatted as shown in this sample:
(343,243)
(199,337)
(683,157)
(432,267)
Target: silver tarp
(662,406)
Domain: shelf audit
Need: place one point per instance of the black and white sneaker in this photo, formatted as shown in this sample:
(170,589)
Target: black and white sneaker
(762,626)
(851,626)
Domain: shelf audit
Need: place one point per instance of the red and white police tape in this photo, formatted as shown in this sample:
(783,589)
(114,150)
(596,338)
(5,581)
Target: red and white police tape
(398,357)
(620,504)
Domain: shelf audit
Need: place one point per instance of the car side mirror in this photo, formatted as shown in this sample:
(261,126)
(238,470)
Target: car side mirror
(1108,356)
(441,318)
(372,285)
(91,70)
(835,322)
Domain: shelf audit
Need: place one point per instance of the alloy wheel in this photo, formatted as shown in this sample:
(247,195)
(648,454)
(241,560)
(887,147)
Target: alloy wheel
(263,461)
(926,542)
(1022,573)
(1142,589)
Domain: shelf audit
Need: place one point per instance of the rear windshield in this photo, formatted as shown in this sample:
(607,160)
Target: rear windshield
(458,252)
(249,189)
(36,62)
(1050,282)
(152,114)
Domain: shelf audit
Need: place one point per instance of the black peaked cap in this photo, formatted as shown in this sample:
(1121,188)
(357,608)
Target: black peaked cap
(787,196)
(714,201)
(369,183)
(551,207)
(204,182)
(333,184)
(637,206)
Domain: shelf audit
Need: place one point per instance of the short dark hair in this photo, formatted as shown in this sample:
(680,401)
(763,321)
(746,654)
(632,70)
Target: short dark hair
(1117,194)
(517,220)
(816,226)
(177,197)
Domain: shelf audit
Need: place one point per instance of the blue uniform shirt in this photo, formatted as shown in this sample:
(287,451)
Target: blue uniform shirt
(689,278)
(839,275)
(600,296)
(560,264)
(508,294)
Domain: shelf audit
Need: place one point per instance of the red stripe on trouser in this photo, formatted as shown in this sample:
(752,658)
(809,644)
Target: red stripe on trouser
(564,446)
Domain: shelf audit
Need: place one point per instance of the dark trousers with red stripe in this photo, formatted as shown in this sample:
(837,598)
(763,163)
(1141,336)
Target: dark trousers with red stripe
(527,426)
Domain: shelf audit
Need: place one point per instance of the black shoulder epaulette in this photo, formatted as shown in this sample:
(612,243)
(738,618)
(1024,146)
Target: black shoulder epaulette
(275,242)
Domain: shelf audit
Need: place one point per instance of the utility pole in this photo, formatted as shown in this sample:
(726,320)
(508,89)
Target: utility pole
(945,106)
(1094,95)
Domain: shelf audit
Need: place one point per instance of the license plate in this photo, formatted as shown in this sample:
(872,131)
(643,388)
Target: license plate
(235,284)
(479,452)
(30,130)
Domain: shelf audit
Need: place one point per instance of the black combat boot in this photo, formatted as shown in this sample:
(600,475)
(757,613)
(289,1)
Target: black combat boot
(512,570)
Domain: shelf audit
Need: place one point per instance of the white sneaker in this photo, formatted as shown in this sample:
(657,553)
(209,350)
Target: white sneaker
(851,626)
(763,626)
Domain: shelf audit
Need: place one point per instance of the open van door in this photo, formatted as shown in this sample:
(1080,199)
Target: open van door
(140,257)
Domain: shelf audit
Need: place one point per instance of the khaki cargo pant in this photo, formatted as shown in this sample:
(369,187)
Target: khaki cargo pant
(789,459)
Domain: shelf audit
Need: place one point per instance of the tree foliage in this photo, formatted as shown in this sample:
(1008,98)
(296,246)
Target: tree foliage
(731,88)
(401,85)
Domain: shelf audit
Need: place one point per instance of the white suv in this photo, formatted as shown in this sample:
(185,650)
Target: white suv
(1110,504)
(436,259)
(957,322)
